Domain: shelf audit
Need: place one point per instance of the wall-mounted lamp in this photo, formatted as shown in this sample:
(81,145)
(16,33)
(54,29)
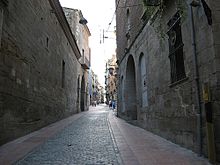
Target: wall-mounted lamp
(83,21)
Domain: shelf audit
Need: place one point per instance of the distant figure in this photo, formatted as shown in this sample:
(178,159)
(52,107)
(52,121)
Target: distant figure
(110,104)
(113,105)
(94,103)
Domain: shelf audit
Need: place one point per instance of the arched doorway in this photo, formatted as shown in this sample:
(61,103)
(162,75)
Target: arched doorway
(78,94)
(82,98)
(143,81)
(122,95)
(130,90)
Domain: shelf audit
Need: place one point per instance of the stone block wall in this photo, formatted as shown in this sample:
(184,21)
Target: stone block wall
(215,6)
(38,69)
(172,110)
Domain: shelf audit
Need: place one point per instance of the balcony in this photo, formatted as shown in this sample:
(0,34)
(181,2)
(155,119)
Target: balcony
(85,63)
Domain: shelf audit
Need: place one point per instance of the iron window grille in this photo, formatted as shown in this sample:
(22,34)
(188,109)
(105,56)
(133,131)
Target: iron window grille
(176,49)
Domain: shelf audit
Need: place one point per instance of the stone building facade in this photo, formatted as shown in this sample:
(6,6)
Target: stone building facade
(100,94)
(111,79)
(81,33)
(168,57)
(94,88)
(40,68)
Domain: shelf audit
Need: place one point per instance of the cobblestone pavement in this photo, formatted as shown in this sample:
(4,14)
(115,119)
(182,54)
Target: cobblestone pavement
(95,137)
(85,141)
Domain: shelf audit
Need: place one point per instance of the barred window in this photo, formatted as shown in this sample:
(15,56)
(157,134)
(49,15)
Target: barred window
(176,49)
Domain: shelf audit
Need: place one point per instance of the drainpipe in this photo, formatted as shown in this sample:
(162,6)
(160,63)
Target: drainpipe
(195,3)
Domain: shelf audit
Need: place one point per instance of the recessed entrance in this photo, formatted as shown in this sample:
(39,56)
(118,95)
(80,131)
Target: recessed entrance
(130,90)
(82,98)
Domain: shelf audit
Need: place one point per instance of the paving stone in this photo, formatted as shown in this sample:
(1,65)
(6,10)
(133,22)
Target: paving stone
(86,141)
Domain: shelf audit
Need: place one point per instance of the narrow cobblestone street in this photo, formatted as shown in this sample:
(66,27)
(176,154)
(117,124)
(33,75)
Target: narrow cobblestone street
(95,137)
(85,141)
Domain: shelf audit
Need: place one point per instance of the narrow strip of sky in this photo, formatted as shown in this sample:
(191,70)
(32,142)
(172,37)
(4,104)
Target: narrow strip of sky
(99,13)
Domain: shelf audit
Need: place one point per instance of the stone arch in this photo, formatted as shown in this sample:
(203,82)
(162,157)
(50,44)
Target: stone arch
(130,90)
(82,95)
(142,81)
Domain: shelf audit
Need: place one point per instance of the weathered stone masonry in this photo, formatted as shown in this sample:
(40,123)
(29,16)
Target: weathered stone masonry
(171,109)
(38,67)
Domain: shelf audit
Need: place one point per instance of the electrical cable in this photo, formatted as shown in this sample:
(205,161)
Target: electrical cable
(116,10)
(113,15)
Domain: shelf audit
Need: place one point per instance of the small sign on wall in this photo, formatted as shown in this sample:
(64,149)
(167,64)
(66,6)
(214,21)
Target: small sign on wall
(206,92)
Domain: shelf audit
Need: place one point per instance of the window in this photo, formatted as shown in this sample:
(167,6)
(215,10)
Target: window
(128,26)
(47,43)
(63,74)
(128,21)
(111,71)
(83,52)
(176,49)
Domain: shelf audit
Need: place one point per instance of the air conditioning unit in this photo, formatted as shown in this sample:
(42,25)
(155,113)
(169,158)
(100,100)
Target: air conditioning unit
(152,2)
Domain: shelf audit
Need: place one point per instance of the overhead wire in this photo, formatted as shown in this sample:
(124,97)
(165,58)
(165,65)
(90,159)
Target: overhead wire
(110,22)
(117,6)
(113,15)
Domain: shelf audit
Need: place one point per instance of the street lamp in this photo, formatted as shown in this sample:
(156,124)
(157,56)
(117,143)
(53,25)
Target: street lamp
(83,21)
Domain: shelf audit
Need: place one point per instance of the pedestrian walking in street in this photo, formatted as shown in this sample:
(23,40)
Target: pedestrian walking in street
(113,105)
